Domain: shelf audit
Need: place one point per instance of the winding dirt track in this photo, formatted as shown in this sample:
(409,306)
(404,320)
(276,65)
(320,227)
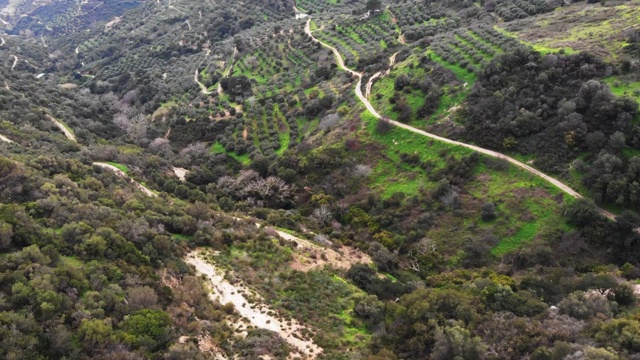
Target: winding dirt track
(484,151)
(203,89)
(121,173)
(64,129)
(392,61)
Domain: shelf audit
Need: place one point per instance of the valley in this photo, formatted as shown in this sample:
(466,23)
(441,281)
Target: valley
(319,179)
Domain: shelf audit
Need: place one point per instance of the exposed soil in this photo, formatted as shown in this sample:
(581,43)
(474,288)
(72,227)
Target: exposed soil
(257,314)
(121,173)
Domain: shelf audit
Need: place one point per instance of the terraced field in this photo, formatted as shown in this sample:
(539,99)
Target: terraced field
(471,48)
(358,38)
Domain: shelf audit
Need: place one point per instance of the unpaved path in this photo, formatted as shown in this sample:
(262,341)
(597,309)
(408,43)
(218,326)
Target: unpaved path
(307,29)
(299,14)
(487,152)
(121,173)
(15,61)
(203,89)
(228,71)
(3,42)
(64,129)
(6,139)
(309,255)
(392,61)
(258,314)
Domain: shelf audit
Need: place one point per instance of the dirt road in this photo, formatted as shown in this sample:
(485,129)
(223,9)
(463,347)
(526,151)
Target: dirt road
(392,61)
(565,188)
(5,139)
(62,127)
(121,173)
(203,89)
(257,314)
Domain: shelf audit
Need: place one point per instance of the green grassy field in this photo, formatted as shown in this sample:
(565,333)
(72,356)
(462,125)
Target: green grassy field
(121,167)
(621,87)
(390,175)
(244,159)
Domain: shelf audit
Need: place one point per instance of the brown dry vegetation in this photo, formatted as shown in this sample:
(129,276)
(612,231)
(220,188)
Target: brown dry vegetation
(594,28)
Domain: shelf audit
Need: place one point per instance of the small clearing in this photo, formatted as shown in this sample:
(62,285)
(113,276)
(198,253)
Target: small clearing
(309,256)
(122,174)
(68,86)
(111,23)
(258,314)
(205,345)
(181,173)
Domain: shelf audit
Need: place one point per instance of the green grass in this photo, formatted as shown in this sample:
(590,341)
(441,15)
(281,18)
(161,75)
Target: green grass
(351,333)
(620,87)
(451,97)
(217,148)
(462,74)
(544,47)
(334,41)
(545,211)
(313,26)
(181,236)
(121,167)
(71,261)
(523,211)
(385,89)
(390,175)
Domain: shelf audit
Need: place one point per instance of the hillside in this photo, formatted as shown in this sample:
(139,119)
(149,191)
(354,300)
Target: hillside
(319,179)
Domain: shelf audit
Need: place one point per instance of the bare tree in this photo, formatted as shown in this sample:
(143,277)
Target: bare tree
(251,62)
(322,215)
(271,188)
(194,151)
(141,297)
(322,239)
(329,122)
(361,170)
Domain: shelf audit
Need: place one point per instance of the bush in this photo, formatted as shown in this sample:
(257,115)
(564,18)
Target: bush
(488,211)
(383,126)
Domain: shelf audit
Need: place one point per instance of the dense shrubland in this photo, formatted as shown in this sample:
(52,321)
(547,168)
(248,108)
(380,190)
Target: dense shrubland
(90,268)
(550,107)
(471,259)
